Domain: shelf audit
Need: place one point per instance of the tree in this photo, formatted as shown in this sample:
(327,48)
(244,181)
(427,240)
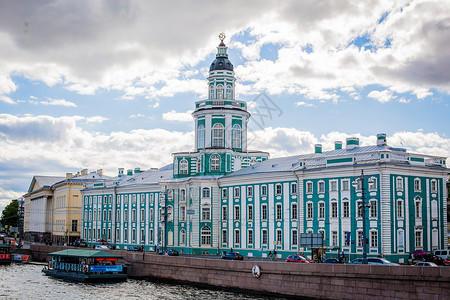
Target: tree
(10,215)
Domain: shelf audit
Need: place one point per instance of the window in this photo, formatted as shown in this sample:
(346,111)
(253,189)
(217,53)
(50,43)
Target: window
(294,213)
(309,187)
(237,236)
(373,184)
(134,199)
(237,213)
(321,186)
(433,186)
(359,210)
(418,208)
(236,192)
(126,200)
(133,215)
(151,215)
(373,239)
(182,237)
(264,190)
(118,200)
(250,212)
(224,193)
(346,236)
(182,195)
(250,237)
(220,91)
(125,234)
(104,215)
(150,236)
(118,215)
(183,166)
(125,215)
(224,236)
(201,136)
(373,208)
(294,238)
(417,185)
(309,210)
(360,238)
(74,225)
(104,200)
(215,162)
(249,191)
(206,213)
(229,93)
(399,184)
(345,209)
(334,209)
(334,238)
(206,193)
(278,189)
(199,165)
(264,212)
(142,235)
(211,92)
(435,240)
(110,200)
(434,209)
(419,239)
(279,212)
(333,185)
(321,210)
(293,188)
(218,135)
(264,237)
(206,235)
(236,132)
(279,235)
(182,213)
(142,215)
(345,185)
(224,213)
(399,208)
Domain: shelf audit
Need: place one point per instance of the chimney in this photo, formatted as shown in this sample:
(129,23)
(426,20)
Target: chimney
(352,142)
(318,148)
(120,172)
(381,139)
(129,172)
(84,172)
(68,175)
(100,172)
(137,170)
(337,145)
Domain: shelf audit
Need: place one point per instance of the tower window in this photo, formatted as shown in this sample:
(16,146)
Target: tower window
(229,92)
(183,166)
(218,135)
(220,91)
(215,163)
(236,136)
(201,136)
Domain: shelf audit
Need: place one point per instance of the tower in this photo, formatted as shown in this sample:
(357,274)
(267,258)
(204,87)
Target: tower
(220,124)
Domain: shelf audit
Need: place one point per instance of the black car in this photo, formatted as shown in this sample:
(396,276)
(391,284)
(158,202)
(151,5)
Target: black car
(232,256)
(331,261)
(172,252)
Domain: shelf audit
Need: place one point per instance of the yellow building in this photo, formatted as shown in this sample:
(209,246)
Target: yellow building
(52,207)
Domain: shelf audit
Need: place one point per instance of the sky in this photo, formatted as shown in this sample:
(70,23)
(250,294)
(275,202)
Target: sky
(112,84)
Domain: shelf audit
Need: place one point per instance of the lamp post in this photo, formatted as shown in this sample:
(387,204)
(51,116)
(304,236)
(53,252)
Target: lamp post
(361,181)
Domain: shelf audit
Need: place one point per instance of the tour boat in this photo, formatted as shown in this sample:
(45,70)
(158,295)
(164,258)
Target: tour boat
(85,266)
(20,258)
(5,254)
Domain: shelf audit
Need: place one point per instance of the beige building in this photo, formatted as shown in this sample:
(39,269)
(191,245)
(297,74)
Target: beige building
(53,207)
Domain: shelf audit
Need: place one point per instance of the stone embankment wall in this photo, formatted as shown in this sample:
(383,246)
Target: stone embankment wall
(308,280)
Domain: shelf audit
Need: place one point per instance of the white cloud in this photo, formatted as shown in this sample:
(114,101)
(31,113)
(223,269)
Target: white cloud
(137,116)
(178,116)
(6,99)
(383,96)
(96,119)
(302,103)
(54,102)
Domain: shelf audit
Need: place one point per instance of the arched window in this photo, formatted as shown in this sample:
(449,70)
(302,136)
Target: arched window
(236,133)
(201,136)
(199,164)
(183,166)
(206,193)
(229,93)
(182,195)
(215,162)
(206,235)
(182,237)
(218,135)
(211,92)
(418,207)
(220,91)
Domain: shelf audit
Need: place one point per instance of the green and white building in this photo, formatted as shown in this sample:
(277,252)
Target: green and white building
(224,196)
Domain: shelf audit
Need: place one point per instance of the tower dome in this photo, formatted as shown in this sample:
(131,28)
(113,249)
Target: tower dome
(221,62)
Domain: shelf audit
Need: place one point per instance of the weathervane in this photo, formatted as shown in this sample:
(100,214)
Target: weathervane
(222,36)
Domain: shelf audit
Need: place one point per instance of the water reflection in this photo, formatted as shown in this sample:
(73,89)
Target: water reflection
(28,282)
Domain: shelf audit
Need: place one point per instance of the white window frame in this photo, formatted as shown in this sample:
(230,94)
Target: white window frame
(218,135)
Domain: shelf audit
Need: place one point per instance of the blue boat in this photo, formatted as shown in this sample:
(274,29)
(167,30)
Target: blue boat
(85,266)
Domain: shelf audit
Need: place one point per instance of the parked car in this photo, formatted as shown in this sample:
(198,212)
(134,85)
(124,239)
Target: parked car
(443,253)
(299,259)
(331,261)
(135,248)
(101,247)
(374,261)
(425,264)
(232,256)
(172,252)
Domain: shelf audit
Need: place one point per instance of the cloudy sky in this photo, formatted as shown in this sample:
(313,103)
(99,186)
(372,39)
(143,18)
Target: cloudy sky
(109,84)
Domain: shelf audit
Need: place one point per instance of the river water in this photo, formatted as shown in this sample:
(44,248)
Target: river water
(28,282)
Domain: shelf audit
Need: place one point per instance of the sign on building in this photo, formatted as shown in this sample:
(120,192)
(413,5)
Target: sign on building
(311,240)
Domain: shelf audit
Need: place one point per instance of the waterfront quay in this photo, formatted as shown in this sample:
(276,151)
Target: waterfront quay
(324,281)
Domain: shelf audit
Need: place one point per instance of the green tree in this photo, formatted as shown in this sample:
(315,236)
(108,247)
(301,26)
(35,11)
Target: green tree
(10,214)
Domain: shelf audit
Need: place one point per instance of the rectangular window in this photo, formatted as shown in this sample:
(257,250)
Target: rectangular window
(224,193)
(237,236)
(417,185)
(309,210)
(109,215)
(399,208)
(150,236)
(264,190)
(133,234)
(373,209)
(418,209)
(294,238)
(182,213)
(264,212)
(109,234)
(359,209)
(237,213)
(334,238)
(278,189)
(419,239)
(359,238)
(345,209)
(142,235)
(294,213)
(279,212)
(250,237)
(151,215)
(142,215)
(74,225)
(345,185)
(264,237)
(125,234)
(236,192)
(433,186)
(321,210)
(279,235)
(224,213)
(333,185)
(346,237)
(117,235)
(400,184)
(373,184)
(294,188)
(374,239)
(334,210)
(125,215)
(249,191)
(224,236)
(309,187)
(321,187)
(133,215)
(206,213)
(250,213)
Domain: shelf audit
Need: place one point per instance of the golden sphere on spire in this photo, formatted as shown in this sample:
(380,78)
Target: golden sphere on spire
(222,36)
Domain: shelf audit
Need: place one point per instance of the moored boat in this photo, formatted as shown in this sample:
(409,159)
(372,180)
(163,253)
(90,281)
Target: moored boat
(20,258)
(5,254)
(85,266)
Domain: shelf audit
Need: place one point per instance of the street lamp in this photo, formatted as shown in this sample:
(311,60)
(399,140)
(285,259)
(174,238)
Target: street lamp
(359,181)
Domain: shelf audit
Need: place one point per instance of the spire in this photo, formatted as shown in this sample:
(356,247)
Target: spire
(222,48)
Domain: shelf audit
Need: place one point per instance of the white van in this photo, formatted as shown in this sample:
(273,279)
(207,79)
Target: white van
(444,253)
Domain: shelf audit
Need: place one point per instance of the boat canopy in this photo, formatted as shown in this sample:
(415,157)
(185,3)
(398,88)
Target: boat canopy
(84,253)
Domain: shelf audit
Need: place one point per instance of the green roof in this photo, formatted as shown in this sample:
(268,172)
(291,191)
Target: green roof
(84,253)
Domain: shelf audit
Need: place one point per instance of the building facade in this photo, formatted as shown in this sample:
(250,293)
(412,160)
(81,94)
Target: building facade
(223,196)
